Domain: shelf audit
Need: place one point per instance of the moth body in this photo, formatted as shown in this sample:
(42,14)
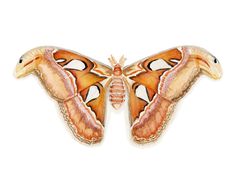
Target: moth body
(117,86)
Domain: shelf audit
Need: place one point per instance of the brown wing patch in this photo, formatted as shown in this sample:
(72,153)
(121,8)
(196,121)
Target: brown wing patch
(150,94)
(136,104)
(84,93)
(98,104)
(85,80)
(149,79)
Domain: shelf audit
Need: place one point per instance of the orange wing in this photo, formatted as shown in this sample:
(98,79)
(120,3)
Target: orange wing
(86,111)
(149,110)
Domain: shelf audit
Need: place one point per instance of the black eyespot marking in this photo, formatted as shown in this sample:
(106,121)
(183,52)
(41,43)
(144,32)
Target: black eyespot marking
(20,61)
(216,61)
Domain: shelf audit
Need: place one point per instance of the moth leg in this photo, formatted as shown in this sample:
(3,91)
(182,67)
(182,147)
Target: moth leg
(149,125)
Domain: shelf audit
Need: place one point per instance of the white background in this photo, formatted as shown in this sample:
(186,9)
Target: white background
(198,146)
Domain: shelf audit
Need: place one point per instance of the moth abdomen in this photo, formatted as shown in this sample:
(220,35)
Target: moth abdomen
(117,92)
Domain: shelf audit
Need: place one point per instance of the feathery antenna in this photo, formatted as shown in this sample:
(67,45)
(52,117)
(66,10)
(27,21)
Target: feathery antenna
(112,61)
(122,60)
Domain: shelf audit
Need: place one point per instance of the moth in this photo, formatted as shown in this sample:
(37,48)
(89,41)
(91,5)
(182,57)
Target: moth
(151,86)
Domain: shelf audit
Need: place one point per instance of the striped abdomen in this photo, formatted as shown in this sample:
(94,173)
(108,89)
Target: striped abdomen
(117,92)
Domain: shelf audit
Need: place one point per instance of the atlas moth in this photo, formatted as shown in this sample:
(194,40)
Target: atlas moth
(152,86)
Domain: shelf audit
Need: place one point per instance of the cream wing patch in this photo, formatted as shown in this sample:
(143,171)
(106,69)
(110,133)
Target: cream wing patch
(75,64)
(93,93)
(141,92)
(159,64)
(60,60)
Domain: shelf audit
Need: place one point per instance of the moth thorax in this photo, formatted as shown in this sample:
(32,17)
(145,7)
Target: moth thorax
(117,71)
(117,92)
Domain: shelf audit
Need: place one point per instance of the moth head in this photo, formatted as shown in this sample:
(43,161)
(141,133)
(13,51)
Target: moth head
(29,62)
(117,66)
(208,64)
